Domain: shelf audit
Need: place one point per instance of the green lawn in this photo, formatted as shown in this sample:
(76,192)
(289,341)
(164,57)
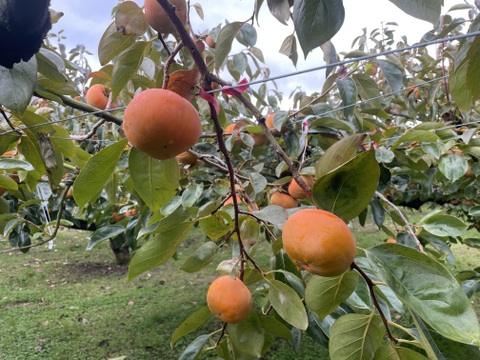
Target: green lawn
(68,303)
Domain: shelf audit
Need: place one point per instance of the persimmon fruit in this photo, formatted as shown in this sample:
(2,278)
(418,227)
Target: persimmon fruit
(283,200)
(296,191)
(229,299)
(97,96)
(116,217)
(319,241)
(210,42)
(161,123)
(391,241)
(258,138)
(158,18)
(273,129)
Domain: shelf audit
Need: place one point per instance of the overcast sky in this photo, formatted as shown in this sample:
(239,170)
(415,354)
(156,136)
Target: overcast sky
(85,21)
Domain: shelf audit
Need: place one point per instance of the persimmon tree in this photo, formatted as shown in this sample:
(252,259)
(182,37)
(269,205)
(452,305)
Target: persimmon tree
(392,127)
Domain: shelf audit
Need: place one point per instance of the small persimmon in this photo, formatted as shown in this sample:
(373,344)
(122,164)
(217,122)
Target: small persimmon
(116,217)
(229,299)
(210,42)
(161,123)
(273,129)
(283,200)
(158,18)
(469,173)
(131,212)
(391,241)
(319,241)
(97,96)
(296,191)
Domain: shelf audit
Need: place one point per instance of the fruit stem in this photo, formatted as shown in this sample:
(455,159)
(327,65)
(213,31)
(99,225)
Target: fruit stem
(166,68)
(371,286)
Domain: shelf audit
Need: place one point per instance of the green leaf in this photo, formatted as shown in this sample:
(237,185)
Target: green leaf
(130,19)
(224,42)
(317,21)
(96,173)
(51,65)
(458,85)
(104,233)
(332,123)
(215,226)
(193,350)
(17,85)
(453,166)
(274,214)
(280,9)
(274,327)
(393,74)
(247,35)
(248,335)
(452,349)
(444,225)
(10,164)
(428,10)
(289,48)
(126,64)
(348,92)
(392,352)
(288,304)
(192,323)
(159,249)
(154,180)
(355,337)
(324,294)
(7,182)
(473,56)
(357,179)
(416,135)
(368,89)
(338,154)
(112,43)
(192,194)
(428,288)
(201,258)
(258,181)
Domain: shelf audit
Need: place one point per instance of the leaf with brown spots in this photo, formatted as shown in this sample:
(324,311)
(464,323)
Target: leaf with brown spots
(183,82)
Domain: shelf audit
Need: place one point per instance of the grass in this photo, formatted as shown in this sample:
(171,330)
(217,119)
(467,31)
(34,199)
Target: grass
(69,303)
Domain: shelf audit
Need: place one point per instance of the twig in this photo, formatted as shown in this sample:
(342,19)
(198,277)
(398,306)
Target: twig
(166,68)
(403,217)
(85,107)
(7,119)
(371,285)
(55,230)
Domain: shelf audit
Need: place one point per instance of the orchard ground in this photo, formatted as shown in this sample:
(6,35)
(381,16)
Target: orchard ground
(71,303)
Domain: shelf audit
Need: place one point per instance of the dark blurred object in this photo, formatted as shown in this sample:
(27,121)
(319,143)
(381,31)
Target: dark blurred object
(23,26)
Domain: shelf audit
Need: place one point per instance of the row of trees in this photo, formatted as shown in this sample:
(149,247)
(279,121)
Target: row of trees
(382,134)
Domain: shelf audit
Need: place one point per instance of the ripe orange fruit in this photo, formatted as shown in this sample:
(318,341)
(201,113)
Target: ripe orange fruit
(258,138)
(296,191)
(391,241)
(283,200)
(158,18)
(97,96)
(200,46)
(469,173)
(116,217)
(161,123)
(210,42)
(187,158)
(269,123)
(319,242)
(131,212)
(229,299)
